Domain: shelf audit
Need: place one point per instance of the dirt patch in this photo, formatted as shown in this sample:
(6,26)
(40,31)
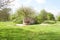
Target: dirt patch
(20,25)
(44,24)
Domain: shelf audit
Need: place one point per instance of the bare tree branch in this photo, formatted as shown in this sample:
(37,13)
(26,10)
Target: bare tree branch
(4,3)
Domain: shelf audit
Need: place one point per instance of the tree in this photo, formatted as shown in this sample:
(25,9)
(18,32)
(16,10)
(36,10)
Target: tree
(42,16)
(25,13)
(58,18)
(4,10)
(50,16)
(4,14)
(4,3)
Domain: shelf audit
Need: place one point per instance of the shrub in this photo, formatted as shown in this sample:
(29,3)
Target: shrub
(18,20)
(58,18)
(49,22)
(39,20)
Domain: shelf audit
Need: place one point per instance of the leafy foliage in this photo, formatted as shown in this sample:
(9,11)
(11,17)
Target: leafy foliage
(58,18)
(4,14)
(50,16)
(43,16)
(23,13)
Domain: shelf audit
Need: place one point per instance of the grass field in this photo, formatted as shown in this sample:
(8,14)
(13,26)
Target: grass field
(9,31)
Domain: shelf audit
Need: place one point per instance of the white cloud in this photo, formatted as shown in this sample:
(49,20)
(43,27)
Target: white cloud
(25,1)
(41,1)
(18,3)
(53,11)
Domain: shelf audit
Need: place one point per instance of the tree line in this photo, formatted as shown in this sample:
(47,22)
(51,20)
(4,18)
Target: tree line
(25,13)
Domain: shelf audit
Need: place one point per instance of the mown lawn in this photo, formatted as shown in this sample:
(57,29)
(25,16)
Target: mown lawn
(9,31)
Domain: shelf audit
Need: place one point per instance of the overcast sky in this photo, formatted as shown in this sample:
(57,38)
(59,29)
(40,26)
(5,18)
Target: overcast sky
(49,5)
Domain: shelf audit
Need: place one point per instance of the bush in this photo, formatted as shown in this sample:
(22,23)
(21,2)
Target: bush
(18,20)
(49,22)
(39,20)
(58,18)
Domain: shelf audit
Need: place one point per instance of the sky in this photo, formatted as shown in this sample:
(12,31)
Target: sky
(52,6)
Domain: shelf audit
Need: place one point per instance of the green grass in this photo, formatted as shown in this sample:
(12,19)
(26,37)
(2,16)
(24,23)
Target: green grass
(9,31)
